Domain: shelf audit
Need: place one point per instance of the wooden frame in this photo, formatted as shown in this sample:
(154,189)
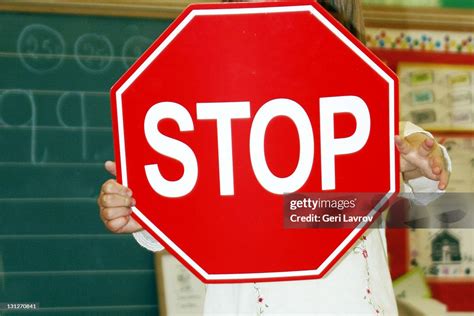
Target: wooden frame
(375,15)
(166,9)
(392,17)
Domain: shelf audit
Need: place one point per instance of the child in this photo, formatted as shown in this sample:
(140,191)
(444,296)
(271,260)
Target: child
(360,283)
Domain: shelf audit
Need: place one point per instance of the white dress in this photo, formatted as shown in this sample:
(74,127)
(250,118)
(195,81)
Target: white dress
(359,284)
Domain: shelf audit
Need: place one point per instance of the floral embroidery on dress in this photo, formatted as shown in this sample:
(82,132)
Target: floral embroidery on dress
(261,304)
(362,249)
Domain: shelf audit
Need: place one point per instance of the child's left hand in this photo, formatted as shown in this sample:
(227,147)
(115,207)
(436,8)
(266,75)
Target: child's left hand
(420,156)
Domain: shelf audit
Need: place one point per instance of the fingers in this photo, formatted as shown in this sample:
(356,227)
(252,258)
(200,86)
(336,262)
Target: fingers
(436,164)
(407,154)
(421,156)
(125,224)
(438,168)
(402,145)
(443,180)
(111,213)
(111,167)
(115,200)
(116,225)
(426,147)
(115,211)
(113,187)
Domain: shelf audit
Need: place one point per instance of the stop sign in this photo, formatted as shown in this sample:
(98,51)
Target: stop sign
(235,105)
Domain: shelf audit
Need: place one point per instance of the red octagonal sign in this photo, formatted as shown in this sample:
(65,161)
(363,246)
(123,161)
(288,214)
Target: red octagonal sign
(235,105)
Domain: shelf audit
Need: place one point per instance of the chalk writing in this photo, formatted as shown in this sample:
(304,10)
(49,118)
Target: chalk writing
(93,52)
(41,48)
(133,48)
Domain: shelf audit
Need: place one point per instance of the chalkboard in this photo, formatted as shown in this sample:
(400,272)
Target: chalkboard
(55,133)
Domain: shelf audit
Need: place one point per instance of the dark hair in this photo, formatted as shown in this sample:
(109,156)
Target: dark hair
(347,12)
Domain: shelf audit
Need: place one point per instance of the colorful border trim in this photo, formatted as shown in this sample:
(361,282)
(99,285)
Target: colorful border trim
(419,40)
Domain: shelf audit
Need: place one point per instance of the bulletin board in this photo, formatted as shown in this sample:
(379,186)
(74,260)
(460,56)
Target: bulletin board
(437,97)
(432,51)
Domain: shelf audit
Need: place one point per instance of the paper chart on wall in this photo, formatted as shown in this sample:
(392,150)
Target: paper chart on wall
(437,97)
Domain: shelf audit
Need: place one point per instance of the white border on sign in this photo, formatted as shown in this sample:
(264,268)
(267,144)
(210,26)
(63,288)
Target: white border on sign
(235,11)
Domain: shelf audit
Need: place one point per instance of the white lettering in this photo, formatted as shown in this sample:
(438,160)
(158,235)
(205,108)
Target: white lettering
(224,113)
(331,146)
(292,110)
(172,148)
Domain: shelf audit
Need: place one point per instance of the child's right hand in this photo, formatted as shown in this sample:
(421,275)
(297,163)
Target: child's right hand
(115,202)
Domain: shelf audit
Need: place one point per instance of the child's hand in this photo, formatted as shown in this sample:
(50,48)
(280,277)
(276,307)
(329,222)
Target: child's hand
(115,202)
(420,156)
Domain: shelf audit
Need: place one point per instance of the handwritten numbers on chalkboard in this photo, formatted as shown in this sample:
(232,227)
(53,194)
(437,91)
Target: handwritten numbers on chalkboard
(133,48)
(93,52)
(41,48)
(58,112)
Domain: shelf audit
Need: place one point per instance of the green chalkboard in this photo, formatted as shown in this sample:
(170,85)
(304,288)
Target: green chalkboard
(55,133)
